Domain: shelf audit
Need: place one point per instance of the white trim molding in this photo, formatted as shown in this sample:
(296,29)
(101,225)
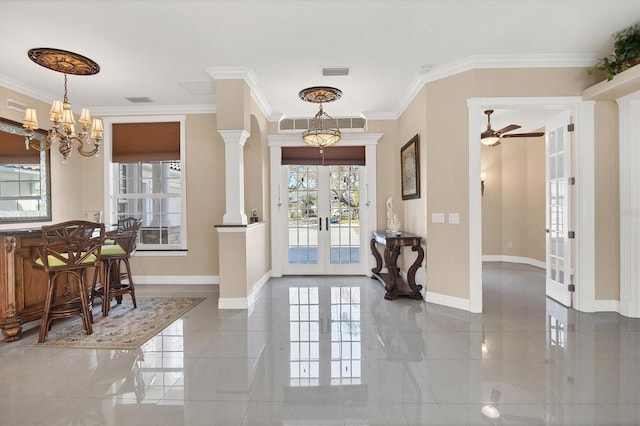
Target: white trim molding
(446,300)
(515,259)
(177,279)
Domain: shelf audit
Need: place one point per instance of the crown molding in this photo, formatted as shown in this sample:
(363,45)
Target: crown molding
(21,88)
(492,62)
(246,74)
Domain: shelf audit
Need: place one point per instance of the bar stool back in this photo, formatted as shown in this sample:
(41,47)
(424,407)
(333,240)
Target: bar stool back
(114,256)
(69,249)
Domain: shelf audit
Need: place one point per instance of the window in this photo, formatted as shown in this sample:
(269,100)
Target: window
(148,181)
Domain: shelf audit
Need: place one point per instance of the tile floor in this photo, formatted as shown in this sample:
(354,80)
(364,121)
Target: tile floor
(331,351)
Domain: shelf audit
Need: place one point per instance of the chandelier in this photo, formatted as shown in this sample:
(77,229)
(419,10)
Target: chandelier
(323,129)
(61,116)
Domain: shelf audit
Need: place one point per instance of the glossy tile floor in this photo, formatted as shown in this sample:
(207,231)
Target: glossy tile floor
(331,351)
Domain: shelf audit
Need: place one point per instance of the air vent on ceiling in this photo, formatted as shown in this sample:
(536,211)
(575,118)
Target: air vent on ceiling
(335,71)
(14,105)
(348,124)
(139,99)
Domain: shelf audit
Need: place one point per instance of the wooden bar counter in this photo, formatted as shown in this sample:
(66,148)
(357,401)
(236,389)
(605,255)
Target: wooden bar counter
(22,287)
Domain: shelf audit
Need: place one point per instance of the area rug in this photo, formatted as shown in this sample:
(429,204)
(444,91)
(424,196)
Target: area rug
(124,327)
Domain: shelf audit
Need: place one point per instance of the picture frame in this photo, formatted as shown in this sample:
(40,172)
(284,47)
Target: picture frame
(410,169)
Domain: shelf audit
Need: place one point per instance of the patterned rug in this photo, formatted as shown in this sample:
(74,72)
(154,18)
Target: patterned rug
(124,328)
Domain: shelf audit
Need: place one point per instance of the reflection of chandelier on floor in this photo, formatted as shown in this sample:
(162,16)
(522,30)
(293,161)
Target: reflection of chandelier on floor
(61,116)
(323,129)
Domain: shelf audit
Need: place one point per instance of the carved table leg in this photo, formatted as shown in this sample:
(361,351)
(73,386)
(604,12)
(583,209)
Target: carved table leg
(376,255)
(411,274)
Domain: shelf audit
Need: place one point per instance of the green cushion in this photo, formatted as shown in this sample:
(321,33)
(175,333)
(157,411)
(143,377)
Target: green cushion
(111,250)
(54,261)
(109,242)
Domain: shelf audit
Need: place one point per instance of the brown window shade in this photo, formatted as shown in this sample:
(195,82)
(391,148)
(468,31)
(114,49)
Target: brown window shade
(12,150)
(145,142)
(333,156)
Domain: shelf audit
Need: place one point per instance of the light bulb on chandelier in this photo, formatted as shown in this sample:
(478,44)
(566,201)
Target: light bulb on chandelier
(60,114)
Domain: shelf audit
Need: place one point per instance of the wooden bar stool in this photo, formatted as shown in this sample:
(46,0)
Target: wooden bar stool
(115,253)
(68,251)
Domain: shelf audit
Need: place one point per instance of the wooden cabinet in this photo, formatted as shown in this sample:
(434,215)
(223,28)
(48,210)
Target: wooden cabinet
(22,287)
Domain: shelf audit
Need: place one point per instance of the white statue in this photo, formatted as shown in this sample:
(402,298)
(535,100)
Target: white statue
(393,223)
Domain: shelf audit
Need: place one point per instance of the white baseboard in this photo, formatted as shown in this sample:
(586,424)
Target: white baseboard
(449,301)
(514,259)
(233,303)
(244,302)
(176,279)
(259,284)
(607,306)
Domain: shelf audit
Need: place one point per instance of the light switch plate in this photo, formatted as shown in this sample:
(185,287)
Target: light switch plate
(437,217)
(454,218)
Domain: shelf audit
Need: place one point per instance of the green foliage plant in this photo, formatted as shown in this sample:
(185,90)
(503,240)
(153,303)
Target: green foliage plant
(626,52)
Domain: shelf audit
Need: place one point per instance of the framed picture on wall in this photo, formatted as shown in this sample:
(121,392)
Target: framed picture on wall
(410,169)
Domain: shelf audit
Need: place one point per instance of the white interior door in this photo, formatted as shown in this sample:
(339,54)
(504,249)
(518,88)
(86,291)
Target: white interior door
(323,220)
(558,205)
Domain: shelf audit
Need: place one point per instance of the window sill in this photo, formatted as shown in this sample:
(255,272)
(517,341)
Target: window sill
(160,253)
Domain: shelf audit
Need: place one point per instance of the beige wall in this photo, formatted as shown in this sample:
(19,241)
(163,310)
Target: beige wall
(513,205)
(492,200)
(607,202)
(447,163)
(413,212)
(536,214)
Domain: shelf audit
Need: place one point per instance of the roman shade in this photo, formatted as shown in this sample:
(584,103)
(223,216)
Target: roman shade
(145,142)
(334,156)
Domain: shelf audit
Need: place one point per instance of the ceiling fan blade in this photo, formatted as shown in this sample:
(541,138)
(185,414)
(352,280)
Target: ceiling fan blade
(509,128)
(524,135)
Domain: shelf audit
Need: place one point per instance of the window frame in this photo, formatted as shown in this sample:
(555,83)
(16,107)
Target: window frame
(112,176)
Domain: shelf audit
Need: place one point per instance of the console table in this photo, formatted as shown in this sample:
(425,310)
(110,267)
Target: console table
(393,283)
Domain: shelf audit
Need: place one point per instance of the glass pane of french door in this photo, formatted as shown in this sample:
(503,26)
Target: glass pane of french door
(344,233)
(302,182)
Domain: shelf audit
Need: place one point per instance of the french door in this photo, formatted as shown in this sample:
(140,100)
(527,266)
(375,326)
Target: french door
(324,220)
(558,204)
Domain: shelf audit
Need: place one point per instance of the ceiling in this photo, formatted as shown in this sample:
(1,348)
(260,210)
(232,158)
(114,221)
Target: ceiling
(168,50)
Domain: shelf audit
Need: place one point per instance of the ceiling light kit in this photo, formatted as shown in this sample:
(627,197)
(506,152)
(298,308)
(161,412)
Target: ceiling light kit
(492,137)
(60,114)
(323,129)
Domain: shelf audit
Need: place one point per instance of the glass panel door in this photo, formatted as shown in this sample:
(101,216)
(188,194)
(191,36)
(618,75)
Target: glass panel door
(558,155)
(323,217)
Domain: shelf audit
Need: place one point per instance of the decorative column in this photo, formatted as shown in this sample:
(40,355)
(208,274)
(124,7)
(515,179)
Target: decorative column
(629,110)
(234,141)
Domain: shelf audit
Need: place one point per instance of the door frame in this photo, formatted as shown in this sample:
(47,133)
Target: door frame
(278,194)
(584,192)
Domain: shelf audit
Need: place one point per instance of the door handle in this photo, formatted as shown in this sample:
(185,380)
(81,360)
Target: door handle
(326,223)
(320,224)
(546,230)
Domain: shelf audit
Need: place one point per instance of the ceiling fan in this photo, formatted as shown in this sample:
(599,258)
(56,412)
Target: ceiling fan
(492,137)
